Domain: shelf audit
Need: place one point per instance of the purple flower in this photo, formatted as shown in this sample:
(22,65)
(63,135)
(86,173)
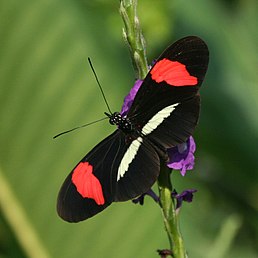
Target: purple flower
(182,156)
(150,193)
(128,100)
(186,196)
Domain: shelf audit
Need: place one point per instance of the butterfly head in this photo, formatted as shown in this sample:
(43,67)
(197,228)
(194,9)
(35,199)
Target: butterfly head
(123,123)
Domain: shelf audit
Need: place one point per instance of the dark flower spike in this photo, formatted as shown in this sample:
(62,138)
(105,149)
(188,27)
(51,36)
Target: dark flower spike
(150,193)
(186,196)
(164,253)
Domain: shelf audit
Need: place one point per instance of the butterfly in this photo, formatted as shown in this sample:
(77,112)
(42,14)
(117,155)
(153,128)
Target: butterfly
(163,114)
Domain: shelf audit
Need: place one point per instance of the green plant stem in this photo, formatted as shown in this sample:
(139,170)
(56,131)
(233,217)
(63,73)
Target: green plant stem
(134,38)
(170,214)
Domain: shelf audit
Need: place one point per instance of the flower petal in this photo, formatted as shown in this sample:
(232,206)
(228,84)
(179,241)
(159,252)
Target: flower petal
(186,196)
(128,100)
(150,193)
(182,156)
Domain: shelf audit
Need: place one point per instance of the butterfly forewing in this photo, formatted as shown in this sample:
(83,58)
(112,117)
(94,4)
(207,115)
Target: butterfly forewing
(174,79)
(89,188)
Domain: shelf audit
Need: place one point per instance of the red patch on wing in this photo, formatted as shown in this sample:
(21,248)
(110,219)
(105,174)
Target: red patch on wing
(173,73)
(87,184)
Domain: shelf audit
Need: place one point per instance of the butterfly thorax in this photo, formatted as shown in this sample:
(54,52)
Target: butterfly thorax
(123,123)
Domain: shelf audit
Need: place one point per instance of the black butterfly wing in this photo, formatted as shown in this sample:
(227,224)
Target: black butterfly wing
(172,87)
(98,179)
(88,189)
(138,169)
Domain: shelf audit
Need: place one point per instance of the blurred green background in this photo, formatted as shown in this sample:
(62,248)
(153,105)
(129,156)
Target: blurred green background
(46,86)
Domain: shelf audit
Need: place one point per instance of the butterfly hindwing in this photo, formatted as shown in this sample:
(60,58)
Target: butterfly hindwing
(177,126)
(138,169)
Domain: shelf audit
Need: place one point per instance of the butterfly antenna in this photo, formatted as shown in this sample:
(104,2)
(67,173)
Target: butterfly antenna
(102,92)
(75,128)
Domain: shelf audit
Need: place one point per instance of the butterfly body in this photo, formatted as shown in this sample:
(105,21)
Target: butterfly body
(163,114)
